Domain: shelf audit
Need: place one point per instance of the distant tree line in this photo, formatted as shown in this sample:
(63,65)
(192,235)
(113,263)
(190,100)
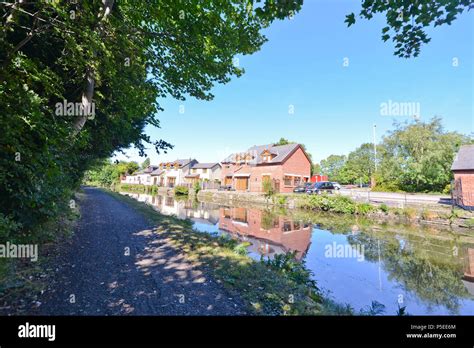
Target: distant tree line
(414,157)
(107,173)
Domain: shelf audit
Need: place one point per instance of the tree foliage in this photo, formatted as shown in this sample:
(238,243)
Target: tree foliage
(407,20)
(418,156)
(118,58)
(413,157)
(107,173)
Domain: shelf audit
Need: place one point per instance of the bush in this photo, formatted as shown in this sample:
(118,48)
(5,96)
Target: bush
(131,187)
(342,204)
(268,188)
(410,213)
(364,208)
(292,268)
(181,190)
(429,215)
(383,207)
(8,227)
(447,189)
(336,204)
(280,199)
(197,187)
(241,248)
(386,187)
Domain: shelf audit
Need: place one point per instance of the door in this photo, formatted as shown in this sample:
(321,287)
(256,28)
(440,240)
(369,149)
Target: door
(242,184)
(228,181)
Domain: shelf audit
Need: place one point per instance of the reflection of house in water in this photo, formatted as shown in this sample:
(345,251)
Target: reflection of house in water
(183,209)
(269,234)
(468,278)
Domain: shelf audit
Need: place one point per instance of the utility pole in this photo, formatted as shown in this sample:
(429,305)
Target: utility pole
(375,148)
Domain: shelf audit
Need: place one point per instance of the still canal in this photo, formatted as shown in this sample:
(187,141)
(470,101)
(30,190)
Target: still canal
(427,270)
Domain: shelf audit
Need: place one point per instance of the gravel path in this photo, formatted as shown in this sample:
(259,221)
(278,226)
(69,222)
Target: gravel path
(155,279)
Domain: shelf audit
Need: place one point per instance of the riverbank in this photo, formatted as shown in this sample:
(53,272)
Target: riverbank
(279,287)
(344,205)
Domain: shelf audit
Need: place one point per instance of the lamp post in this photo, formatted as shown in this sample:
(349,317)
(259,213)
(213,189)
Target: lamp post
(372,184)
(375,148)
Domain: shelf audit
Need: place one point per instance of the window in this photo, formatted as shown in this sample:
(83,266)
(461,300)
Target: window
(287,180)
(204,170)
(195,170)
(286,226)
(240,215)
(169,202)
(297,180)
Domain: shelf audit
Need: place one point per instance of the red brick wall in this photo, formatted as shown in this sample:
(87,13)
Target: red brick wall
(297,164)
(465,180)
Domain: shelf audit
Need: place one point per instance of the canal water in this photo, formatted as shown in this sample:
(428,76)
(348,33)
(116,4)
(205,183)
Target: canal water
(428,270)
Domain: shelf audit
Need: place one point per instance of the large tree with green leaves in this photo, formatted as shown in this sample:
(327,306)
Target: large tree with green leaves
(112,61)
(332,166)
(417,156)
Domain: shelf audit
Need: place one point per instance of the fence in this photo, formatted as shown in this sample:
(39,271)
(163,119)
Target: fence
(464,200)
(396,199)
(205,185)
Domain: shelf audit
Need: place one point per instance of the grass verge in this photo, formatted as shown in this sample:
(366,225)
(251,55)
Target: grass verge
(22,280)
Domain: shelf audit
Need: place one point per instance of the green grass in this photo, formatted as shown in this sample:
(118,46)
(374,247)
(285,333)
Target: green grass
(282,287)
(21,281)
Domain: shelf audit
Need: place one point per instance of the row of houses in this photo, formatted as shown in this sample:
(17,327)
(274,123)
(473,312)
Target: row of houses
(284,166)
(179,172)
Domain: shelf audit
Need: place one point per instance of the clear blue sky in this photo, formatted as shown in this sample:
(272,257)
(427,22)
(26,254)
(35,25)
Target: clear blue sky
(334,106)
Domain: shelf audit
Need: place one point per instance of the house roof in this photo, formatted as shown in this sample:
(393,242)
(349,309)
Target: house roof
(181,162)
(157,172)
(205,165)
(280,154)
(464,159)
(148,169)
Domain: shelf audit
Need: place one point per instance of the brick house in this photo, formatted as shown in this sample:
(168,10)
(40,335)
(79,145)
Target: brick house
(286,166)
(463,170)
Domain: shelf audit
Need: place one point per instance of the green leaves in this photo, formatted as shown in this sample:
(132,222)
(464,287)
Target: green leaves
(407,20)
(350,19)
(142,52)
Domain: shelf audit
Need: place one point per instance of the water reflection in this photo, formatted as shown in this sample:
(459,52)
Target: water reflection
(269,233)
(428,270)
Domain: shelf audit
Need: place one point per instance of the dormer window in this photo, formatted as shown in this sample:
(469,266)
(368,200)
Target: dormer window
(266,156)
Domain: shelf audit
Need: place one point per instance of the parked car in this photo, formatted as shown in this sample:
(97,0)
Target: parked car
(336,185)
(302,188)
(320,187)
